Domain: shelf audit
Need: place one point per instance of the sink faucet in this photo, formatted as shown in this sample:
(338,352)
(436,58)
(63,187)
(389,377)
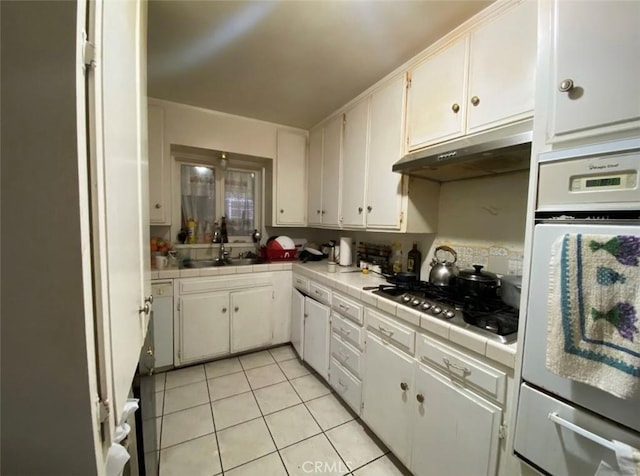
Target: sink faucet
(223,254)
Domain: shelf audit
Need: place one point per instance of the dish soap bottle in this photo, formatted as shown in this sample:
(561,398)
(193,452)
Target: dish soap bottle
(397,257)
(414,260)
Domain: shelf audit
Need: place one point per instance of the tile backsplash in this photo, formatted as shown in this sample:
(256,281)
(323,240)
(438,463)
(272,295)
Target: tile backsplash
(496,258)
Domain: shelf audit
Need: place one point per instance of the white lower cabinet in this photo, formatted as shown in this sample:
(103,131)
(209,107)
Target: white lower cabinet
(454,431)
(316,336)
(346,384)
(297,321)
(251,318)
(387,385)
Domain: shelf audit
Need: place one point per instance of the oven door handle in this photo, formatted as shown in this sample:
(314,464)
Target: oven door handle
(553,416)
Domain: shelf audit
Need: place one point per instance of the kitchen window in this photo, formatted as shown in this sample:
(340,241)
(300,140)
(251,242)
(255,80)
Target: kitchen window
(211,189)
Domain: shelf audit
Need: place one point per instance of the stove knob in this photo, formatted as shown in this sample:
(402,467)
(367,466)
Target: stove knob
(406,298)
(426,306)
(415,302)
(436,309)
(449,314)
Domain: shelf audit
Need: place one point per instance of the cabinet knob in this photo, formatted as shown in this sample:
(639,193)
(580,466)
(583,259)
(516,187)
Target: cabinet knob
(158,205)
(224,309)
(475,100)
(149,299)
(306,315)
(359,210)
(323,212)
(566,85)
(236,309)
(146,309)
(318,212)
(369,208)
(456,107)
(282,210)
(420,398)
(404,386)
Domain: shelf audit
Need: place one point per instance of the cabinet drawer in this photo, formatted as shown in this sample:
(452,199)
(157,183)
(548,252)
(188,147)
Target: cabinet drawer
(347,355)
(473,373)
(347,386)
(391,331)
(301,283)
(539,439)
(348,330)
(319,293)
(164,289)
(348,308)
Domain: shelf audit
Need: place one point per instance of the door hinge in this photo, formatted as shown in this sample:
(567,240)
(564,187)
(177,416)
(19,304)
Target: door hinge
(104,409)
(361,406)
(408,79)
(344,119)
(401,217)
(88,52)
(273,294)
(502,432)
(178,305)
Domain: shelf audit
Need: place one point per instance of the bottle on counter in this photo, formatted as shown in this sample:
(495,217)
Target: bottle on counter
(223,230)
(217,234)
(191,231)
(397,257)
(414,260)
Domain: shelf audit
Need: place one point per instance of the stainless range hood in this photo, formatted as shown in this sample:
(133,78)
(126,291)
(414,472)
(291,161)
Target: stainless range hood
(501,150)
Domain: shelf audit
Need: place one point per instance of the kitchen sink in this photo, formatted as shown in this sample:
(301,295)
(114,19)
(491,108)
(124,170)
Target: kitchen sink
(245,261)
(227,262)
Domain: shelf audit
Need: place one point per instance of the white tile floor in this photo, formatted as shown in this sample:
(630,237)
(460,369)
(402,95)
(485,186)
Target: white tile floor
(262,414)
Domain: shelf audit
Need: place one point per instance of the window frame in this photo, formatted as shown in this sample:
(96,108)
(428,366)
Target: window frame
(180,158)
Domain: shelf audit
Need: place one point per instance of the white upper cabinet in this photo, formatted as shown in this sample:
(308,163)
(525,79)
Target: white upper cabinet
(290,179)
(314,196)
(484,79)
(159,169)
(502,62)
(354,164)
(437,96)
(384,187)
(594,86)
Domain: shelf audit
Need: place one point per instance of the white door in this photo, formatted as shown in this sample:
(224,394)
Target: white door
(454,431)
(297,321)
(122,151)
(534,371)
(502,65)
(331,160)
(159,173)
(251,316)
(203,326)
(316,336)
(354,164)
(291,178)
(437,97)
(387,390)
(384,187)
(596,46)
(314,193)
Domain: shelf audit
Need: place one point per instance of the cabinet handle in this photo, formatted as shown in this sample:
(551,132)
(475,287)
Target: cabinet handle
(369,208)
(404,386)
(158,205)
(360,210)
(342,384)
(566,85)
(342,355)
(236,309)
(146,309)
(420,398)
(386,332)
(318,212)
(456,107)
(464,370)
(343,307)
(282,210)
(475,100)
(323,212)
(345,331)
(306,315)
(224,309)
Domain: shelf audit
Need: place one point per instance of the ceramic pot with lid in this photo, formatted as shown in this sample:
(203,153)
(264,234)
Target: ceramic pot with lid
(477,284)
(443,272)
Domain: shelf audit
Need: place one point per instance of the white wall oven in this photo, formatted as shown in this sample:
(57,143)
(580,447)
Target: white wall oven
(580,389)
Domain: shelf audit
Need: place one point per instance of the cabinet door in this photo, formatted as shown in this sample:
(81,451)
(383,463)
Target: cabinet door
(502,62)
(354,164)
(203,326)
(596,47)
(331,159)
(387,406)
(314,196)
(316,337)
(297,321)
(290,182)
(454,431)
(437,97)
(384,187)
(159,173)
(251,315)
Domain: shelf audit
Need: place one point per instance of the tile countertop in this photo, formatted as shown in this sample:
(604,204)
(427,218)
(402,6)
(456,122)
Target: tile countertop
(347,281)
(351,283)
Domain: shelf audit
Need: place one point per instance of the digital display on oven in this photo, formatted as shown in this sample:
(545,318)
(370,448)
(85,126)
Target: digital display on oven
(603,182)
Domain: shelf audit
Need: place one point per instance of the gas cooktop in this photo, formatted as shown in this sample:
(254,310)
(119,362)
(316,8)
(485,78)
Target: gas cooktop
(489,317)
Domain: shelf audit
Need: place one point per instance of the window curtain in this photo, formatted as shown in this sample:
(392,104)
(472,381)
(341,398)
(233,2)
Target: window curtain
(239,191)
(198,198)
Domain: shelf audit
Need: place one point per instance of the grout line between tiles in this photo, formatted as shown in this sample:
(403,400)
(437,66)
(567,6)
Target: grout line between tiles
(213,418)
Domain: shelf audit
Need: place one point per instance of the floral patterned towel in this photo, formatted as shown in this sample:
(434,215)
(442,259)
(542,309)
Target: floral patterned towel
(593,331)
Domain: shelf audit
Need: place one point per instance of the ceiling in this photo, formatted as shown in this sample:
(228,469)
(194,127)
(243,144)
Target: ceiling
(288,62)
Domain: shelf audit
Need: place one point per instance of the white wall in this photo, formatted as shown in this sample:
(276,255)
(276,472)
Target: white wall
(46,425)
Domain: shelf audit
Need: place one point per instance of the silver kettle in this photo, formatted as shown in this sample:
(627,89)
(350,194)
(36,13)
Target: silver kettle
(443,272)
